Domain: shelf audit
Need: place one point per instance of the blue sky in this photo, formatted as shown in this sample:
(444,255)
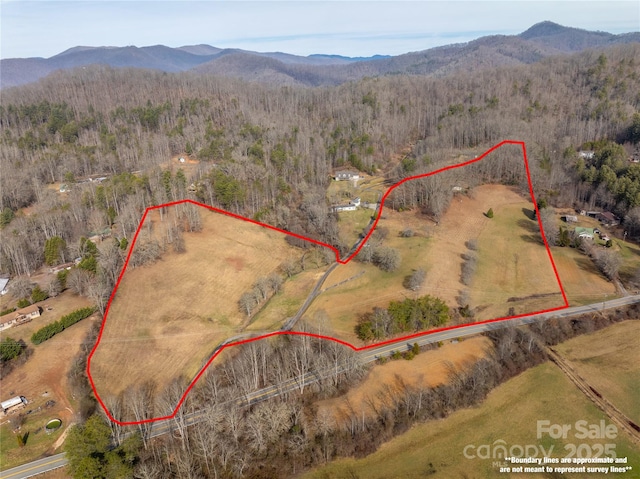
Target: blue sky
(353,28)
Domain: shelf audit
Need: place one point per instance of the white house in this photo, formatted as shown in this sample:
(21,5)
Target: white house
(351,206)
(346,175)
(20,316)
(348,207)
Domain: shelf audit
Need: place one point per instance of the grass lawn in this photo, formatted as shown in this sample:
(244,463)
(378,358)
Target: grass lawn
(368,189)
(609,360)
(352,224)
(52,310)
(510,414)
(38,441)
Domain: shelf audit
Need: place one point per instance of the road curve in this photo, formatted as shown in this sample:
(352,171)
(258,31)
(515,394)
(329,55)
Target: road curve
(41,466)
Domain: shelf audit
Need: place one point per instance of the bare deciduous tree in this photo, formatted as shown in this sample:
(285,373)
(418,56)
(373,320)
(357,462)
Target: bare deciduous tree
(608,261)
(415,280)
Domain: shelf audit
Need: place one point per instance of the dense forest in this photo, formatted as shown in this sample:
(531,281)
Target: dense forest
(268,152)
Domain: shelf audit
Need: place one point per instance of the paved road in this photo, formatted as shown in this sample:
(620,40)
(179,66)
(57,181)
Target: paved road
(368,355)
(36,467)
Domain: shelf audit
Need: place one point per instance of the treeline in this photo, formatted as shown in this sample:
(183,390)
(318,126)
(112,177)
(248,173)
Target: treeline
(267,152)
(611,169)
(283,436)
(301,436)
(50,330)
(402,316)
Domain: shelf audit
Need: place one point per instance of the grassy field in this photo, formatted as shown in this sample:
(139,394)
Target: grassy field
(429,368)
(512,263)
(582,281)
(510,413)
(630,254)
(368,189)
(38,441)
(609,360)
(286,303)
(168,316)
(353,223)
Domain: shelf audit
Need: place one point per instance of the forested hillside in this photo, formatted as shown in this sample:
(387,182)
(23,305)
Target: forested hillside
(268,152)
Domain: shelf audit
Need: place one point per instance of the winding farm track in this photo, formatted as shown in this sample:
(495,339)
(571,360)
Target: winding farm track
(354,251)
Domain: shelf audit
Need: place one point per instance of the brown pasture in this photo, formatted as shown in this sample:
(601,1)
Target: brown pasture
(167,317)
(438,249)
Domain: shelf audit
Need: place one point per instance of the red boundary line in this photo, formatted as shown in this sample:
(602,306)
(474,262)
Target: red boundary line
(342,261)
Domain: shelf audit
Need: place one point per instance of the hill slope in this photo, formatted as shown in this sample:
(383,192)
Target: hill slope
(541,40)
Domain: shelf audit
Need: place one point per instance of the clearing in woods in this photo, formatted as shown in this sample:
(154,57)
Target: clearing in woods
(508,417)
(168,316)
(513,273)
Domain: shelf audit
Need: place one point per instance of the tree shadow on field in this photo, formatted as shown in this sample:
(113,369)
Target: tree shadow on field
(585,264)
(529,226)
(531,239)
(531,214)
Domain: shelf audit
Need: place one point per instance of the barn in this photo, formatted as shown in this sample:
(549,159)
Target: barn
(12,403)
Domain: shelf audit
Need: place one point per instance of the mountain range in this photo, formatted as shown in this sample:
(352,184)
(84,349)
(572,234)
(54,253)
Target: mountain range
(541,40)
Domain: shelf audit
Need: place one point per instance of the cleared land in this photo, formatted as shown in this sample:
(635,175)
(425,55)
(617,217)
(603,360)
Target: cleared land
(582,281)
(429,368)
(609,360)
(351,223)
(512,262)
(510,413)
(285,304)
(42,378)
(52,310)
(513,265)
(168,316)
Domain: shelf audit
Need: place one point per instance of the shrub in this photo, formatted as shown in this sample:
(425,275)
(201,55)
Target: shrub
(490,213)
(50,330)
(10,349)
(23,303)
(472,244)
(387,259)
(38,295)
(7,311)
(62,276)
(415,280)
(406,233)
(468,269)
(409,355)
